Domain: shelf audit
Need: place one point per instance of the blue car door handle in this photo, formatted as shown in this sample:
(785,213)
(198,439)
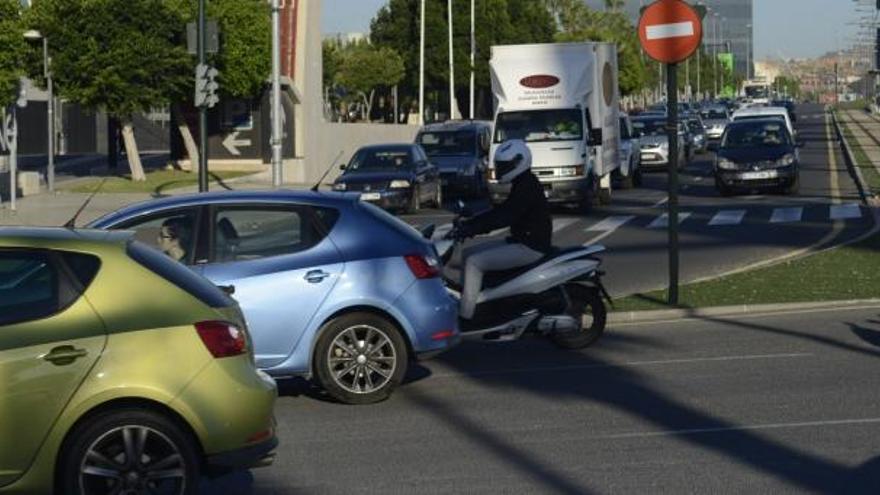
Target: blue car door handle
(316,276)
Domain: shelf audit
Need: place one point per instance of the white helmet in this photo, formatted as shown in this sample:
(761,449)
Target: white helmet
(512,159)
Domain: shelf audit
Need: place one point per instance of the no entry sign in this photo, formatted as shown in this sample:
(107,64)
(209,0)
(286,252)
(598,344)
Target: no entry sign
(670,31)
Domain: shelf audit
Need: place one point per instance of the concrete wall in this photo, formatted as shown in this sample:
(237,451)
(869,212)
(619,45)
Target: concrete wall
(331,138)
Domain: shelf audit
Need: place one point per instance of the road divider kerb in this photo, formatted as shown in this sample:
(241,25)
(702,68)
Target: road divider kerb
(851,163)
(737,310)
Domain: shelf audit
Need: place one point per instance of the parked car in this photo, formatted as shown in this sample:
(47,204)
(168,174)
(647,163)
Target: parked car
(393,176)
(460,150)
(332,287)
(715,119)
(123,372)
(629,154)
(654,143)
(757,154)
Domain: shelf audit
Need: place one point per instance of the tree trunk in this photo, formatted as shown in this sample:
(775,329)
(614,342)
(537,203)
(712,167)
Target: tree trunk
(368,102)
(131,150)
(113,144)
(188,141)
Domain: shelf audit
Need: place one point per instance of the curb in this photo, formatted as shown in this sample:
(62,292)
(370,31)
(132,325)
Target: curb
(744,309)
(867,195)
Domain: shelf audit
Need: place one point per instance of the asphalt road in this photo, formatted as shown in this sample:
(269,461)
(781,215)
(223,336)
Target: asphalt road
(761,404)
(718,234)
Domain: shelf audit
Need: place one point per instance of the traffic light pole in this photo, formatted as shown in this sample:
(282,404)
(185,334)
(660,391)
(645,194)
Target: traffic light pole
(672,132)
(203,111)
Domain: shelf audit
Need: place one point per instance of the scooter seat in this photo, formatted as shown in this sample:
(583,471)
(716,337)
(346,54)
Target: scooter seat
(498,278)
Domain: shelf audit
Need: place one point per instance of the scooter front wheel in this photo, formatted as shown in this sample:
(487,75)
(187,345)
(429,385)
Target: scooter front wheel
(587,307)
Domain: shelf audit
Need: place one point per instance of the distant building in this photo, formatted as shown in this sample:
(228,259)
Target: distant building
(734,23)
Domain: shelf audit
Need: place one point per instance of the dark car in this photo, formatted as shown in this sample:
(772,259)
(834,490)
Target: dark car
(460,150)
(757,154)
(393,176)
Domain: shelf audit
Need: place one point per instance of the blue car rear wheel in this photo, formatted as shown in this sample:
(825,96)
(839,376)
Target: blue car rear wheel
(360,358)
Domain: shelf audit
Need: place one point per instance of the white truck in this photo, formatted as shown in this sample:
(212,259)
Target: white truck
(562,99)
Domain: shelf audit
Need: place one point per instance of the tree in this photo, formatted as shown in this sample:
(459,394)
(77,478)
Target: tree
(13,50)
(125,57)
(499,22)
(363,68)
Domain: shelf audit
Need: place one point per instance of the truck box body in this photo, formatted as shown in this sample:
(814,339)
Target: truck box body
(562,99)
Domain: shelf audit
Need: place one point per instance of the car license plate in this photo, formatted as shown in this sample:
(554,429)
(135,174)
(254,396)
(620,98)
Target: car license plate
(770,174)
(370,196)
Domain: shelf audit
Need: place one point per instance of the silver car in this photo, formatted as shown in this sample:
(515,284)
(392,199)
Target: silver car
(715,120)
(654,144)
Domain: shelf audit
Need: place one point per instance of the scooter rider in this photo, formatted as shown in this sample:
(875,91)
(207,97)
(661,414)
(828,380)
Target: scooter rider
(525,211)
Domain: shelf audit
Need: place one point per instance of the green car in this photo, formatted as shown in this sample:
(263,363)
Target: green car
(121,371)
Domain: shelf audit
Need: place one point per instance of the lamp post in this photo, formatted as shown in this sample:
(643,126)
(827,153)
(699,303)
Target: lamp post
(715,51)
(276,138)
(33,35)
(422,66)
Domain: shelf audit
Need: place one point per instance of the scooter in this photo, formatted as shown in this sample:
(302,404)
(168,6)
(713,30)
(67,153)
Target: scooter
(559,296)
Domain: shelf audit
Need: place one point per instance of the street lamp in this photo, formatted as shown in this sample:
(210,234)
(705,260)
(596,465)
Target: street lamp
(34,35)
(715,51)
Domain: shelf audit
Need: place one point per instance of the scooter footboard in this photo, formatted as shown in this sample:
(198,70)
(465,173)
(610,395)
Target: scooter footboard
(538,281)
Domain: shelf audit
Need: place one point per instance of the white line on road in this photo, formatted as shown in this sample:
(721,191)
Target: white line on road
(728,217)
(749,357)
(663,220)
(660,203)
(770,426)
(786,215)
(673,30)
(610,223)
(842,212)
(562,223)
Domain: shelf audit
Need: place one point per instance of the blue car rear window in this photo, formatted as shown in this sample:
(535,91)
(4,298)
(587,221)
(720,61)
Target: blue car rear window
(179,275)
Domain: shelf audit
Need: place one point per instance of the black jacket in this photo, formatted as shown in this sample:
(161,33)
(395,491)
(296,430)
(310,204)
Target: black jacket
(525,211)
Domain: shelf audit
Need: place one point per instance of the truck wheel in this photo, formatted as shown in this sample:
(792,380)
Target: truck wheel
(637,177)
(591,196)
(605,196)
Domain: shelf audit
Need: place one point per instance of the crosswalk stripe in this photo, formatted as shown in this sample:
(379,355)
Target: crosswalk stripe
(610,224)
(562,223)
(728,217)
(786,215)
(843,212)
(663,220)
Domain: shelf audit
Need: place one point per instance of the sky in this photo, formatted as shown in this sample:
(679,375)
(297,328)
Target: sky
(783,28)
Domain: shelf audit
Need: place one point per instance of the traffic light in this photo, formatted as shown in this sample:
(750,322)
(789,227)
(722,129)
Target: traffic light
(206,86)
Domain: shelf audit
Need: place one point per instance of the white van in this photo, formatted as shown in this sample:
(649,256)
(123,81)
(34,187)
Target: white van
(563,101)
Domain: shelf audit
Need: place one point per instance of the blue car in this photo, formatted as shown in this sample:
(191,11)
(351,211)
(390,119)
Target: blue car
(332,288)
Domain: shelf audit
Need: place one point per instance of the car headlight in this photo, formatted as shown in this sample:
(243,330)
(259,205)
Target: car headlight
(786,160)
(574,171)
(399,184)
(664,146)
(726,164)
(340,186)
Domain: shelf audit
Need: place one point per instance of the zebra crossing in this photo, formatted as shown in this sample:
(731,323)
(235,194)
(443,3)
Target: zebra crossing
(733,217)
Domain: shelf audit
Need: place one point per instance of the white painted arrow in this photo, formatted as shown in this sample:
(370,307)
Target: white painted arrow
(232,143)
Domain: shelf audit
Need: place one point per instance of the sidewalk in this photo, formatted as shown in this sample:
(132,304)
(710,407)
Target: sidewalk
(56,209)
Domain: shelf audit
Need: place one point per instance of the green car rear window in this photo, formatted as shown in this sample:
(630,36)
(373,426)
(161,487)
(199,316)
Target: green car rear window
(179,275)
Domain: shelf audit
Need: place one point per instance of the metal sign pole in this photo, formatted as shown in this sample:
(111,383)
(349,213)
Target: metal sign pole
(672,131)
(203,110)
(13,159)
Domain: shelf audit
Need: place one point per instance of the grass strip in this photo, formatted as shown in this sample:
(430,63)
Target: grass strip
(844,273)
(158,181)
(869,171)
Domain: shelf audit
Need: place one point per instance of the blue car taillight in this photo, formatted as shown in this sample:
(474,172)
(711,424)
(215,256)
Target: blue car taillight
(423,267)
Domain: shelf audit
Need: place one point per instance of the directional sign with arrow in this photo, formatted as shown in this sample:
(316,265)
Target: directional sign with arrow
(232,143)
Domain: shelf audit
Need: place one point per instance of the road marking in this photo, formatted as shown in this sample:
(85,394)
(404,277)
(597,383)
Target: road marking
(842,212)
(663,220)
(672,30)
(628,364)
(728,217)
(562,223)
(610,224)
(786,215)
(722,429)
(660,203)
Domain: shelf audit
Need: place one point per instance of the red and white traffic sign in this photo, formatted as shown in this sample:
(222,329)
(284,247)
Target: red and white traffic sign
(670,31)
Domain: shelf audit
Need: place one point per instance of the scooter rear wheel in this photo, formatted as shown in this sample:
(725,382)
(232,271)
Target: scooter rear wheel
(589,309)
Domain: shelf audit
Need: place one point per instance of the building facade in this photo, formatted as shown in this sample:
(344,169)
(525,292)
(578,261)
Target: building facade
(730,29)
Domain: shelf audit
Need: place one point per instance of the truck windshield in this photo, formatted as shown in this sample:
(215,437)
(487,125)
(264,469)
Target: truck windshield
(447,143)
(539,126)
(757,91)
